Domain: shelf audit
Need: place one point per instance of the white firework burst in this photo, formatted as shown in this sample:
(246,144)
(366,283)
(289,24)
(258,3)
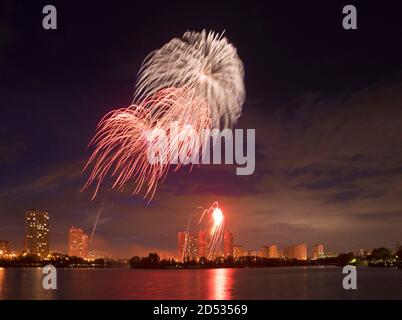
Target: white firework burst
(203,61)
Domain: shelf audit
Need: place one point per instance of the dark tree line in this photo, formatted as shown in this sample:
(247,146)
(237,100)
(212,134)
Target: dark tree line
(59,261)
(380,257)
(153,261)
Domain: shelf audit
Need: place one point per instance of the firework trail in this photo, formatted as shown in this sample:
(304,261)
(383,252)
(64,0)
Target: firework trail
(216,220)
(96,222)
(195,82)
(124,137)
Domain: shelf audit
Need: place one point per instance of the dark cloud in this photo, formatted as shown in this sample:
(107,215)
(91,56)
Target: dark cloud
(387,216)
(9,150)
(338,178)
(50,180)
(344,197)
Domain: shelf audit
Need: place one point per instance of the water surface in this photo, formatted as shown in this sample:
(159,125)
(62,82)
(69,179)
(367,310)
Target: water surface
(247,283)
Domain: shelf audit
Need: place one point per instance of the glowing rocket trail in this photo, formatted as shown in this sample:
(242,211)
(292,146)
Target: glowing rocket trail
(217,227)
(214,218)
(96,222)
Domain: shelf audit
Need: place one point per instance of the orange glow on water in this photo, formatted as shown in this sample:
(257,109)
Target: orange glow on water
(220,284)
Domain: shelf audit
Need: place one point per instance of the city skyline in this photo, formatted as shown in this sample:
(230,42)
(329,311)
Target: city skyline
(192,245)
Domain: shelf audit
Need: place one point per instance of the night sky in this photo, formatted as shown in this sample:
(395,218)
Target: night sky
(326,104)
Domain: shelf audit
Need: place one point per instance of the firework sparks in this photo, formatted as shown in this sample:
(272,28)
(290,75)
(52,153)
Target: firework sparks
(196,82)
(125,136)
(217,222)
(203,61)
(217,217)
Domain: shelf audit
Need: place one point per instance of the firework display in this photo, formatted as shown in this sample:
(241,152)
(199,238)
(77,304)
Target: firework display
(124,137)
(204,61)
(195,82)
(217,222)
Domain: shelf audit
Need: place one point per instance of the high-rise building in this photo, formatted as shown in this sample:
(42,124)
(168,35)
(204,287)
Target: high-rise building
(264,251)
(181,245)
(37,232)
(301,251)
(252,253)
(288,253)
(187,246)
(270,251)
(318,251)
(203,244)
(237,251)
(77,243)
(298,252)
(273,251)
(193,246)
(4,247)
(228,244)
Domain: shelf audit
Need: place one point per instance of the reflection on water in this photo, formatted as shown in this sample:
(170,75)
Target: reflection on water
(220,284)
(23,283)
(247,283)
